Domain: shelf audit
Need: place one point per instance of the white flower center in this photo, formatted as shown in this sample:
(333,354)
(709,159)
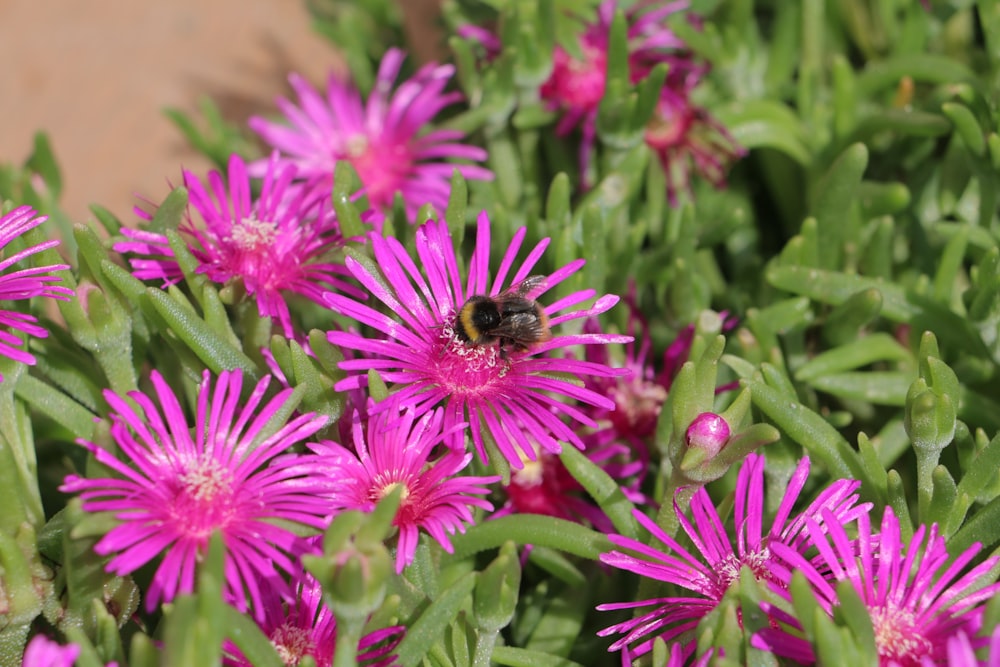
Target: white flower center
(898,637)
(251,234)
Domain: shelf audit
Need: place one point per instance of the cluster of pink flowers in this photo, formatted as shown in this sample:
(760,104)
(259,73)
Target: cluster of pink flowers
(242,463)
(683,136)
(924,607)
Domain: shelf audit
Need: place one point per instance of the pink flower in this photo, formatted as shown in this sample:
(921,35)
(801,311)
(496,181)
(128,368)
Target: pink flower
(43,652)
(276,244)
(182,484)
(918,599)
(305,626)
(397,453)
(383,138)
(710,575)
(576,86)
(22,284)
(686,139)
(490,386)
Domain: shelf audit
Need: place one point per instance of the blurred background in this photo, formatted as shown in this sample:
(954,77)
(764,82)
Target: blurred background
(96,75)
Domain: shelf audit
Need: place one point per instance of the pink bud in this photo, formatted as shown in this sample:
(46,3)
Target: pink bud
(708,432)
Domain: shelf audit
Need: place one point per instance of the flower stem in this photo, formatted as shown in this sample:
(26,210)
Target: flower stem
(348,636)
(485,641)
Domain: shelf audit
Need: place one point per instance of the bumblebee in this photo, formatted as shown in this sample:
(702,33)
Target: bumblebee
(509,319)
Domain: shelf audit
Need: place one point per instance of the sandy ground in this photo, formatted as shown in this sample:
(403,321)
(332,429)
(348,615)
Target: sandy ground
(96,74)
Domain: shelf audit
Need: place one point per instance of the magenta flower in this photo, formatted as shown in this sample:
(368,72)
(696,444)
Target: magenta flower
(710,575)
(304,626)
(916,594)
(275,245)
(383,138)
(43,652)
(490,386)
(686,139)
(182,484)
(576,87)
(961,651)
(397,453)
(22,284)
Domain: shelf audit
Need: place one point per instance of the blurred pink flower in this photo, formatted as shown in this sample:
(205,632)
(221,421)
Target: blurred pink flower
(576,85)
(383,138)
(686,139)
(43,652)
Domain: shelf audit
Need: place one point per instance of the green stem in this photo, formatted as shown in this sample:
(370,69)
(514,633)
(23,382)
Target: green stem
(348,637)
(485,641)
(926,463)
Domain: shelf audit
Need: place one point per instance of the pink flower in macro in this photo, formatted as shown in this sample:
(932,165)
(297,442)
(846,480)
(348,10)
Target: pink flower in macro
(917,596)
(43,652)
(962,653)
(304,626)
(685,138)
(22,284)
(383,138)
(576,86)
(397,452)
(275,245)
(182,484)
(709,573)
(488,386)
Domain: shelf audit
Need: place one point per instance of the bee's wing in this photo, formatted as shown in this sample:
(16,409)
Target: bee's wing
(522,327)
(527,288)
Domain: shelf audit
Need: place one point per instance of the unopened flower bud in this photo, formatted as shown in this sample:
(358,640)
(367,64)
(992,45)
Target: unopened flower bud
(706,436)
(709,433)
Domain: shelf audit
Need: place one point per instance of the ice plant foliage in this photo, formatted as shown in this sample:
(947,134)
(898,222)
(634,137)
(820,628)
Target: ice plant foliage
(512,398)
(178,485)
(21,284)
(386,138)
(398,451)
(305,627)
(919,598)
(717,563)
(276,244)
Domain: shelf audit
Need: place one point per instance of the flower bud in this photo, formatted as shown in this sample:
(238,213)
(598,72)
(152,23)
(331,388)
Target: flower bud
(708,432)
